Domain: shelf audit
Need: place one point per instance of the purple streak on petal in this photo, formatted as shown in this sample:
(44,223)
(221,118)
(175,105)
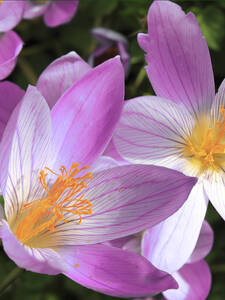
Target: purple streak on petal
(126,200)
(60,75)
(11,12)
(204,243)
(153,130)
(10,47)
(169,245)
(33,10)
(25,257)
(113,271)
(60,12)
(80,134)
(194,282)
(10,96)
(179,65)
(25,150)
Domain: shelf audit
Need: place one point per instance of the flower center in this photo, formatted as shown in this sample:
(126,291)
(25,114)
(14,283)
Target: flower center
(60,205)
(205,147)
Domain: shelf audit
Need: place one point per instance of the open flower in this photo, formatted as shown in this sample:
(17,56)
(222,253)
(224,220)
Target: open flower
(56,210)
(55,12)
(183,128)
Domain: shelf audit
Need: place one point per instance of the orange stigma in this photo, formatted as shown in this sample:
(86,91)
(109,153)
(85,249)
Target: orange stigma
(60,204)
(206,145)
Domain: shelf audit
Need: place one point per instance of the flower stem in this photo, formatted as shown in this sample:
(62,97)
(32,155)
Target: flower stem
(13,275)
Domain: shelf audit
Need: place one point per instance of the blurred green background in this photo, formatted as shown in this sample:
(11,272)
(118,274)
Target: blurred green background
(43,45)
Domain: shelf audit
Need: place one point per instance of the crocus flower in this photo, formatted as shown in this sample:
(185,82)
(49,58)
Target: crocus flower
(111,43)
(55,13)
(56,211)
(182,128)
(194,278)
(11,44)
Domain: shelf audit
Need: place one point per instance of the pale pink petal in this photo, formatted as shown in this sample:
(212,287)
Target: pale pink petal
(153,130)
(60,75)
(169,245)
(25,150)
(86,115)
(33,10)
(10,47)
(10,96)
(113,271)
(60,12)
(125,200)
(204,243)
(25,257)
(194,282)
(179,65)
(11,12)
(215,189)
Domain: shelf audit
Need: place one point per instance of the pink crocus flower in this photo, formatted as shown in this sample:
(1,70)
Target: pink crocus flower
(11,44)
(56,211)
(55,13)
(111,43)
(194,278)
(182,128)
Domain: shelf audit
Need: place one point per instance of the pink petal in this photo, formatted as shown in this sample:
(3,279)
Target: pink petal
(169,245)
(216,106)
(85,116)
(179,65)
(25,257)
(204,243)
(153,130)
(194,282)
(114,271)
(104,163)
(10,47)
(112,152)
(60,75)
(10,96)
(24,150)
(11,12)
(126,200)
(60,12)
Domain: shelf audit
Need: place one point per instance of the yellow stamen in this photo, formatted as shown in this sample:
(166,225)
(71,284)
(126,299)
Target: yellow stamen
(45,213)
(206,145)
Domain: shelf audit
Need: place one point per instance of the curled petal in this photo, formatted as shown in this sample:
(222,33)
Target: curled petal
(179,65)
(60,75)
(97,100)
(114,271)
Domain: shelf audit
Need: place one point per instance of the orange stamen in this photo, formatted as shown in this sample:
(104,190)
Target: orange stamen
(45,213)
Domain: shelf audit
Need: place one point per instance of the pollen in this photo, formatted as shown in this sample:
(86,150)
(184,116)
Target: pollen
(64,202)
(205,147)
